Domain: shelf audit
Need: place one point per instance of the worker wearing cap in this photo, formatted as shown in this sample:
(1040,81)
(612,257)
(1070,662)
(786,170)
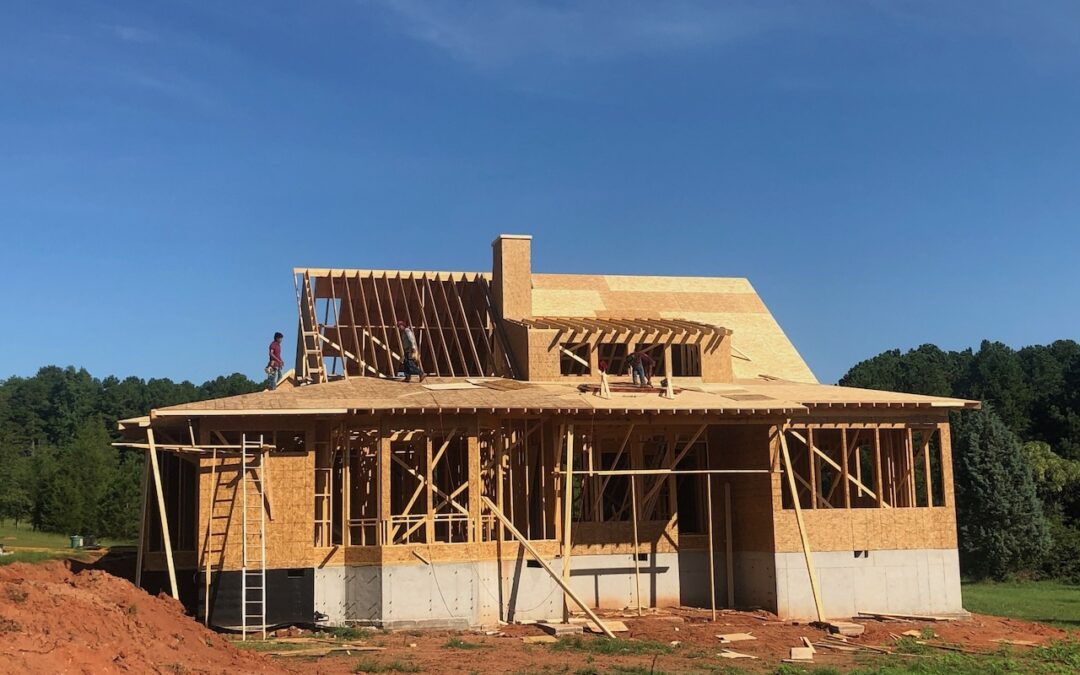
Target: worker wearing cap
(410,365)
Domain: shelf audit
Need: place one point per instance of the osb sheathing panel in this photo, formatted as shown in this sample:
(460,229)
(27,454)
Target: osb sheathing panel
(289,534)
(730,303)
(743,447)
(868,529)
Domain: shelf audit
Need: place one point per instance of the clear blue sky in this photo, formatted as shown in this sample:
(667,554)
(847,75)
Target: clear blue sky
(886,173)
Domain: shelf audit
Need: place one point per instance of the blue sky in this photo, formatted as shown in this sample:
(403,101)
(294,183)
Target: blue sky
(886,173)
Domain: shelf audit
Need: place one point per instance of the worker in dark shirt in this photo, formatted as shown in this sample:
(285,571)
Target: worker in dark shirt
(274,366)
(410,363)
(641,367)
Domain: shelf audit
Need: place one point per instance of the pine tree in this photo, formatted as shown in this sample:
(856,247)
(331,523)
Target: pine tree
(1001,525)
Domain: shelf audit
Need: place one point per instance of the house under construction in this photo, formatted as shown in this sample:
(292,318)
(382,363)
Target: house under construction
(525,478)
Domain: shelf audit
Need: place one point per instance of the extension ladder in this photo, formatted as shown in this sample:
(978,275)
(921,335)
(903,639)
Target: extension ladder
(253,564)
(309,345)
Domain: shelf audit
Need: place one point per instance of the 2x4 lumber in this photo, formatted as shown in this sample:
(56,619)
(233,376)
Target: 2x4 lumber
(393,317)
(165,538)
(729,546)
(568,497)
(434,365)
(337,324)
(352,319)
(637,544)
(438,326)
(878,479)
(574,356)
(367,323)
(614,463)
(547,568)
(926,468)
(429,470)
(712,546)
(453,325)
(465,323)
(815,450)
(804,538)
(813,467)
(845,477)
(651,495)
(390,370)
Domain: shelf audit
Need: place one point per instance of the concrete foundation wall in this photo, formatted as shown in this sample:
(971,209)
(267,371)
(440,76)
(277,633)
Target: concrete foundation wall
(469,594)
(924,581)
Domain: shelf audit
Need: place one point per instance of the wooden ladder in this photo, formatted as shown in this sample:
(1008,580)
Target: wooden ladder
(309,344)
(253,564)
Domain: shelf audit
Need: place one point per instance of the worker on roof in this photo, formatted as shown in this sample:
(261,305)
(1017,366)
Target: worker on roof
(274,366)
(410,358)
(641,367)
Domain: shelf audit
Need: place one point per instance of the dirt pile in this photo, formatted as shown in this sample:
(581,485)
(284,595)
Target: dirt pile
(53,620)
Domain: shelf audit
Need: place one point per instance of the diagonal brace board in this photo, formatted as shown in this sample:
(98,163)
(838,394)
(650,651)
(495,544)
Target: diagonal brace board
(547,568)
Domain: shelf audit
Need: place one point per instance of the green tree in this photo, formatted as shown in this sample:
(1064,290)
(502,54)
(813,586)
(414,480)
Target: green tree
(1001,525)
(120,507)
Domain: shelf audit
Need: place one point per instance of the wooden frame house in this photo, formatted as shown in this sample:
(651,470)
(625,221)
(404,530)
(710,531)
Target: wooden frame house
(519,481)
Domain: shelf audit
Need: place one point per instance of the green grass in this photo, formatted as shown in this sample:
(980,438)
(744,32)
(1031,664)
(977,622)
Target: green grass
(1044,601)
(604,645)
(458,643)
(349,633)
(375,666)
(268,645)
(24,536)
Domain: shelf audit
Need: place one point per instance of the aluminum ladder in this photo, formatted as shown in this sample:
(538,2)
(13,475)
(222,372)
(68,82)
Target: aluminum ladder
(253,564)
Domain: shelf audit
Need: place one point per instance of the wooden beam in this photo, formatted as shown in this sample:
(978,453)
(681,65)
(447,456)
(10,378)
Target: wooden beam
(878,481)
(729,547)
(815,450)
(802,528)
(165,538)
(547,568)
(568,497)
(712,546)
(637,545)
(844,475)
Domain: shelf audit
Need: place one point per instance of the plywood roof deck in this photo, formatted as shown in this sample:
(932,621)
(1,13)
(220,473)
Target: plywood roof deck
(759,345)
(371,395)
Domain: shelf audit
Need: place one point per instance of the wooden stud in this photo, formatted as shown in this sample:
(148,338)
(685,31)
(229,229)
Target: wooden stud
(166,539)
(543,563)
(637,545)
(729,546)
(142,520)
(802,529)
(814,467)
(568,497)
(878,485)
(844,475)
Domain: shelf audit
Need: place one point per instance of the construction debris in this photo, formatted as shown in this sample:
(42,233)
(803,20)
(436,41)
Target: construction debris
(730,654)
(844,628)
(905,617)
(539,639)
(560,629)
(802,654)
(735,637)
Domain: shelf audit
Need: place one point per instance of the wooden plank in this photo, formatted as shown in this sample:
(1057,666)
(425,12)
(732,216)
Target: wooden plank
(802,528)
(438,328)
(165,538)
(427,329)
(453,325)
(637,545)
(811,460)
(878,480)
(831,462)
(568,496)
(729,546)
(352,321)
(468,330)
(543,563)
(927,436)
(845,477)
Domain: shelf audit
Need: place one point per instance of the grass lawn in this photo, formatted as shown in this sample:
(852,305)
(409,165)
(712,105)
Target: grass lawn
(1045,601)
(44,545)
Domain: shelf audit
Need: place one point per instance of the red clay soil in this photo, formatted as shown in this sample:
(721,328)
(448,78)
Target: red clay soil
(53,620)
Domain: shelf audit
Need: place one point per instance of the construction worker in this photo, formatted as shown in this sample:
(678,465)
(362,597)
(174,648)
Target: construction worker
(410,358)
(641,367)
(274,366)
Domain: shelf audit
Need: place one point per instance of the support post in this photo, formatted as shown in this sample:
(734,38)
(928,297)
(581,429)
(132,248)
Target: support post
(712,560)
(878,482)
(729,546)
(209,529)
(637,548)
(568,499)
(166,540)
(844,475)
(547,568)
(802,528)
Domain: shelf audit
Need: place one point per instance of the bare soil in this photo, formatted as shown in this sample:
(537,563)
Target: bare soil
(54,620)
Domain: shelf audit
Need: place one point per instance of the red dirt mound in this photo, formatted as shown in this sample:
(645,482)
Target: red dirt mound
(53,620)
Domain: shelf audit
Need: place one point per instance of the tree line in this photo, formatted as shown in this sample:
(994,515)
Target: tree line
(57,468)
(1016,461)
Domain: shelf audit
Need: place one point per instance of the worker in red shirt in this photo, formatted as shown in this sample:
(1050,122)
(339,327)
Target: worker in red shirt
(641,367)
(273,368)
